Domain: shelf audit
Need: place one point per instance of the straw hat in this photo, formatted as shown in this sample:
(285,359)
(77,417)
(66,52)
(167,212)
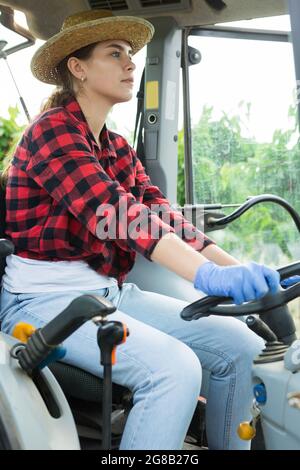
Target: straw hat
(85,28)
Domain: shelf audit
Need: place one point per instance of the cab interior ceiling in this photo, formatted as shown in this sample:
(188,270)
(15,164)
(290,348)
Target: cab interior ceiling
(45,18)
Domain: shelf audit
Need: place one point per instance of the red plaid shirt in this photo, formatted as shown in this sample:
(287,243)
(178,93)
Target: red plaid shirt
(58,179)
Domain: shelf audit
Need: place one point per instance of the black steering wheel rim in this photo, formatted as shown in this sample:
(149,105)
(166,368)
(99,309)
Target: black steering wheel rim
(223,306)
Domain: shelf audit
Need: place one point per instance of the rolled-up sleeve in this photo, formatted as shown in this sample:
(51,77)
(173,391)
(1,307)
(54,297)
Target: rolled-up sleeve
(63,163)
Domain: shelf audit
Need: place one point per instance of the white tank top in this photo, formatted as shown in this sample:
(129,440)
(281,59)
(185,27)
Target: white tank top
(24,275)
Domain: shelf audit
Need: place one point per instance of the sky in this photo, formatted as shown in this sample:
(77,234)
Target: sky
(263,75)
(233,72)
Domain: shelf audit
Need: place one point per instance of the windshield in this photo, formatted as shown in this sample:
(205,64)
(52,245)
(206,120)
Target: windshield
(245,137)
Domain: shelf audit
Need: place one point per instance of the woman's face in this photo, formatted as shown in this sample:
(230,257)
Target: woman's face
(109,71)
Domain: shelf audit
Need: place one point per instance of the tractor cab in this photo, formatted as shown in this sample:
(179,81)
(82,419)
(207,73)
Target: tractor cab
(215,123)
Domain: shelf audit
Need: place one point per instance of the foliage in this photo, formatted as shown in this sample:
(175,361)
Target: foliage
(10,133)
(229,167)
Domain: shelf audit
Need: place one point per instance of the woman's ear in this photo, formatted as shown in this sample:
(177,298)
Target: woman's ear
(75,67)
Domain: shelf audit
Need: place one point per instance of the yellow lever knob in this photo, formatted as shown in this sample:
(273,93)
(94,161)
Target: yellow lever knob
(246,431)
(22,331)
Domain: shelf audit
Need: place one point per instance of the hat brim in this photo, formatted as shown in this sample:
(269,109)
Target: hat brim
(137,31)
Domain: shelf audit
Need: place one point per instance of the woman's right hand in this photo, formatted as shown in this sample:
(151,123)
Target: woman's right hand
(241,282)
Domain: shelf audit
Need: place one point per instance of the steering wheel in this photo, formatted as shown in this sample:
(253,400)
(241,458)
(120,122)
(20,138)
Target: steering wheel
(223,305)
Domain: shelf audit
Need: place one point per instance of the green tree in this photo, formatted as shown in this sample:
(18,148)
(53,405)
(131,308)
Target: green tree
(10,133)
(229,167)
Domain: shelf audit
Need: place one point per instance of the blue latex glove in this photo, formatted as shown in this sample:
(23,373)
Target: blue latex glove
(290,281)
(241,282)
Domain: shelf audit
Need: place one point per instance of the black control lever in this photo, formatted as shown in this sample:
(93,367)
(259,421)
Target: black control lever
(274,350)
(261,329)
(44,340)
(79,311)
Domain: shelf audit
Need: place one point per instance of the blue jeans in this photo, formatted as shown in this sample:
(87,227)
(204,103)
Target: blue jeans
(161,362)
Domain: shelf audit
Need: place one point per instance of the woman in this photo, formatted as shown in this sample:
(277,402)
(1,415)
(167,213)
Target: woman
(70,181)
